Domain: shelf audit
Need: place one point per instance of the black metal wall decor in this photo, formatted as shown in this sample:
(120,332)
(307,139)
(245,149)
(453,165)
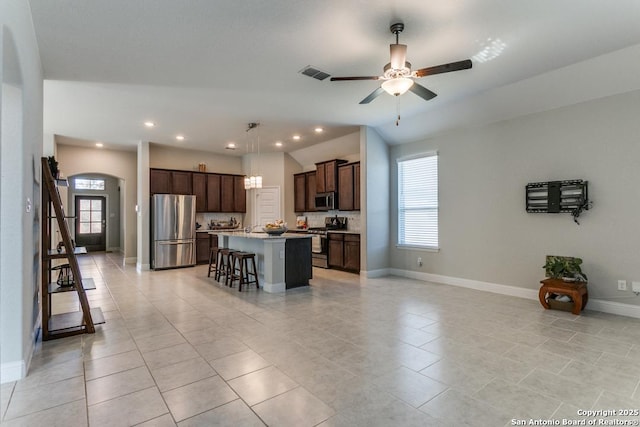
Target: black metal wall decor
(558,196)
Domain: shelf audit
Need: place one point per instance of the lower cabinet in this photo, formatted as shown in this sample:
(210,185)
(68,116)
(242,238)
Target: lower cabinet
(204,242)
(344,251)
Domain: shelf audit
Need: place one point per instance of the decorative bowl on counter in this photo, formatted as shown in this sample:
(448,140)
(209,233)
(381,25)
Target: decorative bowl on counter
(274,231)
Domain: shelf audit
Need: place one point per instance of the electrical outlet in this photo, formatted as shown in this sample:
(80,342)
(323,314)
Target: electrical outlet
(622,285)
(635,286)
(419,261)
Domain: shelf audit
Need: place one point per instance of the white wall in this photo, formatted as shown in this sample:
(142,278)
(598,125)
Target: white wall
(20,152)
(485,232)
(74,160)
(164,157)
(345,147)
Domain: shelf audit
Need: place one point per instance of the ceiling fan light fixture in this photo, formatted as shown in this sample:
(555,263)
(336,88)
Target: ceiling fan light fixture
(397,86)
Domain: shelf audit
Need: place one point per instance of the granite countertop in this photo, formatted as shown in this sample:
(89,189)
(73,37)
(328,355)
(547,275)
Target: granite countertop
(343,231)
(259,235)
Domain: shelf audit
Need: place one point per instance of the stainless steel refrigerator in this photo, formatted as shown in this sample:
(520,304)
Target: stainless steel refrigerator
(173,231)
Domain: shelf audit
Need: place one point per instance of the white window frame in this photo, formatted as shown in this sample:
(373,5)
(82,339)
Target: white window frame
(91,182)
(429,243)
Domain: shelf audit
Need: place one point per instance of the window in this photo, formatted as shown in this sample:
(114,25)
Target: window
(89,184)
(418,201)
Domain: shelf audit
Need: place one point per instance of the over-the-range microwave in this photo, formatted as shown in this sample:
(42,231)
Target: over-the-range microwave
(326,201)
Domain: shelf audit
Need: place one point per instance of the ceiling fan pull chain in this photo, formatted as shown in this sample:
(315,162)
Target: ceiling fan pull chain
(398,110)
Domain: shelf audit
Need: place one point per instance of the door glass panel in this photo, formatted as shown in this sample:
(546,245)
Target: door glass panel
(90,216)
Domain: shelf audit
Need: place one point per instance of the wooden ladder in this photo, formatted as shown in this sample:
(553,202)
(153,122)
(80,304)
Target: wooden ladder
(51,195)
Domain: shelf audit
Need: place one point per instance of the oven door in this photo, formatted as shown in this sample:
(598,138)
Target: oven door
(319,255)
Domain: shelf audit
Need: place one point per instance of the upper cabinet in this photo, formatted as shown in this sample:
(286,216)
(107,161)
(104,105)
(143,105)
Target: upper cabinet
(199,185)
(239,194)
(349,186)
(160,181)
(214,192)
(233,196)
(327,176)
(304,192)
(181,182)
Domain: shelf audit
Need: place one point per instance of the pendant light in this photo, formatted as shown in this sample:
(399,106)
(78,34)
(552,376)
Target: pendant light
(253,181)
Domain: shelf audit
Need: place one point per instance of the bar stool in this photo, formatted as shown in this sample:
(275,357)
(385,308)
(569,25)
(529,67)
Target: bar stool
(213,260)
(223,264)
(240,269)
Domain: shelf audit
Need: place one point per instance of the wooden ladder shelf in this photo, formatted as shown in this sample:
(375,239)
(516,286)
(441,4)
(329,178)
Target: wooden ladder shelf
(72,323)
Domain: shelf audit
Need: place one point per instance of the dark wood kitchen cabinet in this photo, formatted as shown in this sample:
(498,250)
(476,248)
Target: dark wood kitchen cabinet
(181,182)
(344,251)
(239,194)
(311,191)
(204,243)
(226,193)
(349,186)
(213,193)
(300,192)
(199,185)
(304,189)
(352,252)
(162,181)
(233,196)
(159,181)
(336,249)
(327,176)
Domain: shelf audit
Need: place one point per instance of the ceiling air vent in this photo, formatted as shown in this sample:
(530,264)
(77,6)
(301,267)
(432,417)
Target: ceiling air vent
(314,72)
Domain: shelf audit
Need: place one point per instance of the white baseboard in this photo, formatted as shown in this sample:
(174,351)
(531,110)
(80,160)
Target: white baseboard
(130,260)
(12,371)
(274,288)
(142,267)
(375,273)
(604,306)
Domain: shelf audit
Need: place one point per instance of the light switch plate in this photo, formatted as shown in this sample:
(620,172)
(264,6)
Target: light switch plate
(635,286)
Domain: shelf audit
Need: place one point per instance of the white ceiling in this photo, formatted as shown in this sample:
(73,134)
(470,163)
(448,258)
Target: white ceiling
(206,68)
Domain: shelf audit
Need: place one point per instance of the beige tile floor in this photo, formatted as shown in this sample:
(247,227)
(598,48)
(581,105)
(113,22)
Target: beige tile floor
(180,349)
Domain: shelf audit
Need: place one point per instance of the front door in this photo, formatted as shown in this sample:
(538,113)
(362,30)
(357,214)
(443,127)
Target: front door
(91,222)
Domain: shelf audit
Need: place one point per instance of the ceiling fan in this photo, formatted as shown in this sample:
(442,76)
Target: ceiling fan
(397,76)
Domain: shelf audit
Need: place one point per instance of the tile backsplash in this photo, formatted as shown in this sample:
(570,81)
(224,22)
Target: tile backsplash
(316,219)
(204,218)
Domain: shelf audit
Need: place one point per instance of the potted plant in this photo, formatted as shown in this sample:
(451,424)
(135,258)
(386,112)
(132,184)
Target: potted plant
(565,268)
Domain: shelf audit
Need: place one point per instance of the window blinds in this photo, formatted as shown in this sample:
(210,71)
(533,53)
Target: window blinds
(418,201)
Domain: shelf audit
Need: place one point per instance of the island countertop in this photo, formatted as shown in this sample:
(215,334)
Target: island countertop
(259,235)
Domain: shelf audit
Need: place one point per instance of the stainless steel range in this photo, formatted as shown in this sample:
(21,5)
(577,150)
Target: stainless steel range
(319,246)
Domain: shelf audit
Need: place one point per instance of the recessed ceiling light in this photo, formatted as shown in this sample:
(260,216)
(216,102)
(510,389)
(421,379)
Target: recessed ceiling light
(99,144)
(296,137)
(278,144)
(149,124)
(180,137)
(318,130)
(231,146)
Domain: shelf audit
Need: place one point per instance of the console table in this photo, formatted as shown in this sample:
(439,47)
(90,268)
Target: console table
(576,290)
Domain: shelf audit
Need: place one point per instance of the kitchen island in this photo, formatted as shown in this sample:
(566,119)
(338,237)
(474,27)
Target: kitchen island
(284,262)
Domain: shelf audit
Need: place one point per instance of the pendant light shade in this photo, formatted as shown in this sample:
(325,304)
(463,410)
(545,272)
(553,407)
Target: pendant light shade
(397,86)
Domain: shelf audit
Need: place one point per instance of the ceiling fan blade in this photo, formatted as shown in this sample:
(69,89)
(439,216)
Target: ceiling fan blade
(373,95)
(444,68)
(341,79)
(398,56)
(422,91)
